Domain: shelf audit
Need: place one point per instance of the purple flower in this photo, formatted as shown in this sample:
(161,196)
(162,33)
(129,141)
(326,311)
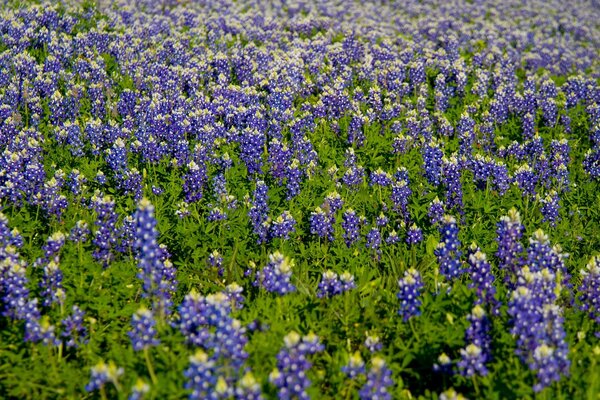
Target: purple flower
(436,211)
(549,208)
(590,290)
(509,233)
(379,380)
(155,270)
(103,373)
(411,286)
(355,366)
(283,226)
(478,352)
(321,223)
(292,364)
(448,250)
(275,276)
(143,332)
(351,226)
(482,279)
(74,331)
(414,235)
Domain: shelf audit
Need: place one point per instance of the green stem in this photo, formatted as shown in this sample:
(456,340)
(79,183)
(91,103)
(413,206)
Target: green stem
(149,366)
(412,328)
(475,385)
(230,269)
(103,393)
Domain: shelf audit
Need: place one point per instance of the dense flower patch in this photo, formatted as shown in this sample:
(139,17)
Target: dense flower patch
(333,199)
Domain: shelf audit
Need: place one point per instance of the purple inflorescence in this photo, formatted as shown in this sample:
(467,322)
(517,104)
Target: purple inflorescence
(331,284)
(355,366)
(549,208)
(155,270)
(275,276)
(292,364)
(409,295)
(74,331)
(537,324)
(283,226)
(509,233)
(414,235)
(259,212)
(103,373)
(482,279)
(590,290)
(379,381)
(321,223)
(448,250)
(436,211)
(351,226)
(477,354)
(143,330)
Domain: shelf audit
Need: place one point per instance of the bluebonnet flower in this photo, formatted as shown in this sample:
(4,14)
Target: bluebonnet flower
(373,343)
(258,213)
(294,176)
(444,364)
(509,233)
(329,285)
(537,324)
(351,226)
(143,332)
(381,178)
(194,181)
(373,240)
(105,239)
(400,195)
(283,226)
(321,223)
(451,394)
(215,260)
(292,364)
(76,182)
(347,281)
(411,286)
(234,293)
(355,366)
(332,285)
(478,351)
(432,162)
(379,381)
(51,284)
(448,251)
(155,270)
(138,390)
(414,235)
(74,330)
(334,202)
(436,211)
(80,232)
(201,377)
(549,207)
(540,255)
(353,176)
(103,373)
(590,290)
(482,279)
(275,276)
(451,181)
(248,388)
(525,178)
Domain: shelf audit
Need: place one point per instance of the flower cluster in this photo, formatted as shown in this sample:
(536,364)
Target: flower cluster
(276,275)
(411,286)
(292,365)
